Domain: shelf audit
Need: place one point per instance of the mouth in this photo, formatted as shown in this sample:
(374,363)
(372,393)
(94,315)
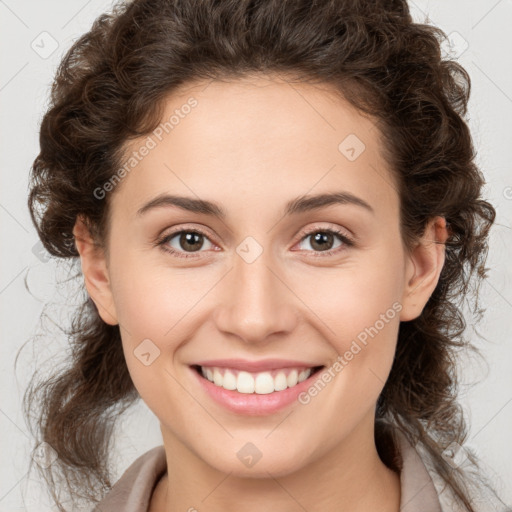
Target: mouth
(257,383)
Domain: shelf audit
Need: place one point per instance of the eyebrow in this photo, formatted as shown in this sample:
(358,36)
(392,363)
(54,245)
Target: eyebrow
(295,206)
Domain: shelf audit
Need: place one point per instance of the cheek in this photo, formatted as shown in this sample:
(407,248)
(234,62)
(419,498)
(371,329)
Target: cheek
(356,294)
(148,311)
(145,306)
(156,307)
(150,298)
(361,307)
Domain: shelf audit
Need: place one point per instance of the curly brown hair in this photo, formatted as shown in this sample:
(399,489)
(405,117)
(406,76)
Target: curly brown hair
(110,88)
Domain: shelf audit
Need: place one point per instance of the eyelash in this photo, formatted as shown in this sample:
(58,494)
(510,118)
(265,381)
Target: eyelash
(304,234)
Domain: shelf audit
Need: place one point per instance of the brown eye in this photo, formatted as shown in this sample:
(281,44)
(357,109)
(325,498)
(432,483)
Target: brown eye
(185,241)
(190,240)
(322,241)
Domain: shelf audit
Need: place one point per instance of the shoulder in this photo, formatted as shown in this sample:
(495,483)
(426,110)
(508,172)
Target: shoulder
(482,498)
(422,487)
(132,492)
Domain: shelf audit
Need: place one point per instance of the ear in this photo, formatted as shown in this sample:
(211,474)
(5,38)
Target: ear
(95,272)
(423,268)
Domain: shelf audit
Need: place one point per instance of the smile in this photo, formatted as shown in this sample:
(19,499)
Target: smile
(260,383)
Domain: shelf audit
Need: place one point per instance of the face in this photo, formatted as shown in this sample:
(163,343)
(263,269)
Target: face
(299,284)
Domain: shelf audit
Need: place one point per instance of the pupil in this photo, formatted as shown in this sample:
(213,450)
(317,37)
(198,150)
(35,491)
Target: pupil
(321,238)
(189,239)
(192,239)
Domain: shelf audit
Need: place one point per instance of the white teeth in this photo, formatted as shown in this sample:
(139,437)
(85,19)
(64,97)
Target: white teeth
(292,378)
(264,383)
(217,377)
(280,382)
(303,375)
(260,383)
(245,383)
(229,381)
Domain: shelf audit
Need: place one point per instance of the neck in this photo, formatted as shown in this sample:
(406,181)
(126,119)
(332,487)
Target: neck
(348,477)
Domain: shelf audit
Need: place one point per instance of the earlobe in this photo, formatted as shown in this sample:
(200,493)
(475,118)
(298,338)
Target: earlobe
(95,272)
(424,266)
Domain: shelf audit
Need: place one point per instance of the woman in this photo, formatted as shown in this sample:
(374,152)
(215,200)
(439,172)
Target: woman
(276,210)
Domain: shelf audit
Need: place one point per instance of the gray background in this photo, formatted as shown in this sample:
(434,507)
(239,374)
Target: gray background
(35,34)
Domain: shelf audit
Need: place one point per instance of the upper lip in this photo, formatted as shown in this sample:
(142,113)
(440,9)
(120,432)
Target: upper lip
(256,366)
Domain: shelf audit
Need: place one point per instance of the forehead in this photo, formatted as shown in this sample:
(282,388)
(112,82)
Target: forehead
(257,138)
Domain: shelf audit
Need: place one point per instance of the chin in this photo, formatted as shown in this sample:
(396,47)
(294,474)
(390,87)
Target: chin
(253,463)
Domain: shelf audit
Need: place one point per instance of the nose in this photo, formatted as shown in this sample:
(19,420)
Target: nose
(257,303)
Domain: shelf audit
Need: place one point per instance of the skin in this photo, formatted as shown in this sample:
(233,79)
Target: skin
(251,145)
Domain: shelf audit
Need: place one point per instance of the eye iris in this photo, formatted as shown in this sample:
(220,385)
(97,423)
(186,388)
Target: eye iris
(193,241)
(320,238)
(187,239)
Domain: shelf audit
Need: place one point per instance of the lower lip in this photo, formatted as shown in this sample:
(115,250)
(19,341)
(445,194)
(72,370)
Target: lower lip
(254,404)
